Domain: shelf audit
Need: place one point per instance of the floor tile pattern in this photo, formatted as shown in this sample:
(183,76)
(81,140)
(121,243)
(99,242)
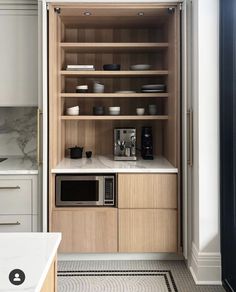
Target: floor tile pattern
(181,276)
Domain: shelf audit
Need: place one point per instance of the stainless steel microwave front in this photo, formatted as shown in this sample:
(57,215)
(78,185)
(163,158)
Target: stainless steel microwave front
(81,190)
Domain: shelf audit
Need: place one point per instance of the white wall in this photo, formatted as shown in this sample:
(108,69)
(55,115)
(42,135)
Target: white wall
(205,261)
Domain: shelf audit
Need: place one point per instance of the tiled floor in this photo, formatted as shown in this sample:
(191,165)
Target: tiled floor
(181,274)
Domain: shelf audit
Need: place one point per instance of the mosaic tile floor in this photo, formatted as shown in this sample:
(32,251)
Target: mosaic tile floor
(118,276)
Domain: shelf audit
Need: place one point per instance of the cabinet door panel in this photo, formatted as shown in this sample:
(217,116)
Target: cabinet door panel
(15,196)
(87,230)
(15,223)
(147,191)
(19,57)
(147,230)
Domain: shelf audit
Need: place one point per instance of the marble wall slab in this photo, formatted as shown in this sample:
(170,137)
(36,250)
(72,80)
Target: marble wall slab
(18,131)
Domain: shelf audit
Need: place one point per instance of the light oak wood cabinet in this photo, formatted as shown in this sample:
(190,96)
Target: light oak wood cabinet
(50,283)
(147,190)
(147,202)
(86,229)
(147,230)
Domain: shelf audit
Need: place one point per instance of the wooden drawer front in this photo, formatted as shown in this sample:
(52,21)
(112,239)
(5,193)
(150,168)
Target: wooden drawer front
(147,191)
(147,230)
(87,230)
(15,196)
(15,223)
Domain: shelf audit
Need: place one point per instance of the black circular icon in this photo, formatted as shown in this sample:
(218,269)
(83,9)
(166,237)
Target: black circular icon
(17,277)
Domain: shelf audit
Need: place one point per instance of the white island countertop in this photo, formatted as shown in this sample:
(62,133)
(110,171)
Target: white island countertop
(33,253)
(105,164)
(18,165)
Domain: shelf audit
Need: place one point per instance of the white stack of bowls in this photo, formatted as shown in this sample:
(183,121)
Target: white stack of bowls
(72,111)
(98,87)
(114,110)
(140,111)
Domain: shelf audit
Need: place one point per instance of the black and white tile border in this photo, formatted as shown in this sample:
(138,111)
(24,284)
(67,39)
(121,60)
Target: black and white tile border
(166,274)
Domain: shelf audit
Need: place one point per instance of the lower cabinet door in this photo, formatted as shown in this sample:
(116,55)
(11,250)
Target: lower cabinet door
(147,230)
(15,223)
(86,229)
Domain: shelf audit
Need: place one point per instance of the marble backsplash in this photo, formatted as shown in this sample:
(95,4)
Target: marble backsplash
(18,130)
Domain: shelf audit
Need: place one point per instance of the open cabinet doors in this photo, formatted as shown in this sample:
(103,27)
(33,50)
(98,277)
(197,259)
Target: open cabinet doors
(186,126)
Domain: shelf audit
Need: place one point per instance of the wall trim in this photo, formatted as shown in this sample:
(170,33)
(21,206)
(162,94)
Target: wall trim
(205,267)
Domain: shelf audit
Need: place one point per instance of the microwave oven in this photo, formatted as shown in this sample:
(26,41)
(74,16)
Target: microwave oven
(85,190)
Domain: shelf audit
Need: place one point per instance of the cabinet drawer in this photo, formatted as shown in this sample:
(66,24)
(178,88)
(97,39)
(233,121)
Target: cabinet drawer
(15,223)
(147,230)
(86,229)
(15,196)
(147,191)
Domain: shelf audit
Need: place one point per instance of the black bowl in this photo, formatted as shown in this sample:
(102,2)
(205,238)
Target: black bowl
(98,110)
(111,67)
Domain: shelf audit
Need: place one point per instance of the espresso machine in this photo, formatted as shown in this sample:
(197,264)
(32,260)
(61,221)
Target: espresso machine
(125,144)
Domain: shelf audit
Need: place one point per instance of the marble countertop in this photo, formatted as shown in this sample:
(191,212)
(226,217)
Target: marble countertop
(18,165)
(32,253)
(104,164)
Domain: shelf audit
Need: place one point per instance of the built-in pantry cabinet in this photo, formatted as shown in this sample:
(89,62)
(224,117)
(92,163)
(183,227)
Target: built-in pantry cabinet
(145,217)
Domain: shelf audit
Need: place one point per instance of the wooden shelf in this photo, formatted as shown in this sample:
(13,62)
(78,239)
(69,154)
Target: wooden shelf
(111,74)
(112,47)
(118,95)
(120,117)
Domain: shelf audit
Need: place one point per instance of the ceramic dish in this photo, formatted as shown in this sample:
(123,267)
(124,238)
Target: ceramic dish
(114,110)
(81,88)
(140,111)
(152,90)
(98,87)
(140,67)
(98,110)
(72,111)
(125,91)
(154,86)
(111,67)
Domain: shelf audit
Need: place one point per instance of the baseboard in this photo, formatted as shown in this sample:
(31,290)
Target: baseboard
(118,256)
(205,267)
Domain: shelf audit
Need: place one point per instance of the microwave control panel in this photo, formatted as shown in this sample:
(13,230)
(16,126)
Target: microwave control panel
(109,193)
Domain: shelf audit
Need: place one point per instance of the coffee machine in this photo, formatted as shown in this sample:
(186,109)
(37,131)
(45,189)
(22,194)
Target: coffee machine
(146,143)
(125,144)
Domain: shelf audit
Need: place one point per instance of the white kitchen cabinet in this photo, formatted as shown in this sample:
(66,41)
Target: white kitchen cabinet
(19,203)
(16,223)
(19,55)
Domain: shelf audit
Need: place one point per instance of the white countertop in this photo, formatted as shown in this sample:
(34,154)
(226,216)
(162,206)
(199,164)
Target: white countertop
(18,165)
(104,164)
(32,253)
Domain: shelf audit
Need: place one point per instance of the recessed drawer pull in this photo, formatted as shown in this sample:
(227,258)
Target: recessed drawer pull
(10,188)
(10,223)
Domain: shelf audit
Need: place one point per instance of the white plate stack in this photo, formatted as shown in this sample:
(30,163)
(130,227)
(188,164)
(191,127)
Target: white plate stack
(80,67)
(152,88)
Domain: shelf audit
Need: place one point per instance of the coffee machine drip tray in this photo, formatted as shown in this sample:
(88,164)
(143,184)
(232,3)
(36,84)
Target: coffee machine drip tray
(124,158)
